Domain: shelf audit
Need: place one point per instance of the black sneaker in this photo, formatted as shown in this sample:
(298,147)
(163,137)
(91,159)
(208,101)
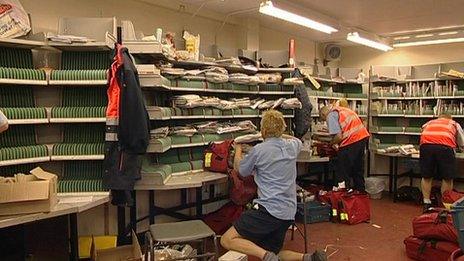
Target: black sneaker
(427,208)
(319,255)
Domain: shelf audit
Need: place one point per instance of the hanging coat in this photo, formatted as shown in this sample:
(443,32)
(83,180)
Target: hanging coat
(302,119)
(127,131)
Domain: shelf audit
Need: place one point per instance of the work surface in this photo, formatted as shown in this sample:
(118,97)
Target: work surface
(67,204)
(413,156)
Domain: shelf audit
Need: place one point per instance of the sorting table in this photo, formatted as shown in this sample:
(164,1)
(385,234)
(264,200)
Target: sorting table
(393,168)
(68,204)
(302,158)
(194,180)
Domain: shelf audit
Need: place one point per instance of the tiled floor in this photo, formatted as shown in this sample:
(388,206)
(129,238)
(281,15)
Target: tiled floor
(364,241)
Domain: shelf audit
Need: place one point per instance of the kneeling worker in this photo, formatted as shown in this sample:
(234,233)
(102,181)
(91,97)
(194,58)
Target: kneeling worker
(438,140)
(260,232)
(351,137)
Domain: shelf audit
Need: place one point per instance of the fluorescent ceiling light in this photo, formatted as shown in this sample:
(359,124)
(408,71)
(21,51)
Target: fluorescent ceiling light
(269,9)
(401,37)
(354,37)
(429,42)
(423,35)
(448,33)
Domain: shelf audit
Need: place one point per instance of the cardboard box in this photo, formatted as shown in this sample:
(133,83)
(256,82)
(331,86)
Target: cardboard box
(98,242)
(122,253)
(30,194)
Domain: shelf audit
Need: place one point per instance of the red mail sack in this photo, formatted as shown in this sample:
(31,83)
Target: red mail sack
(429,250)
(221,220)
(451,196)
(436,225)
(457,255)
(217,155)
(333,198)
(355,208)
(242,189)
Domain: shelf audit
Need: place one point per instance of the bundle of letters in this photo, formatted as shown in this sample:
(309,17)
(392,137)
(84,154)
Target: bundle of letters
(270,77)
(211,74)
(241,78)
(402,149)
(212,127)
(189,101)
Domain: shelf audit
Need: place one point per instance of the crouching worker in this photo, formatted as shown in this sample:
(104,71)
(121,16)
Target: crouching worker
(438,140)
(260,232)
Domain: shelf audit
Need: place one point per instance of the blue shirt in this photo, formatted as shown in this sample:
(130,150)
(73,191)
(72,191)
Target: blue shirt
(333,124)
(274,165)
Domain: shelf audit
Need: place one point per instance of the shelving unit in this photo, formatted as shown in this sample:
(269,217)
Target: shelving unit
(406,98)
(57,115)
(409,103)
(163,114)
(334,90)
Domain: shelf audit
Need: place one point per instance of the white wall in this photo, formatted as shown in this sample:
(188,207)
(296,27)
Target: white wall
(363,57)
(146,17)
(270,39)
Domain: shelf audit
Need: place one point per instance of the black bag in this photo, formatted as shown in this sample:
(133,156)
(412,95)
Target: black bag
(409,193)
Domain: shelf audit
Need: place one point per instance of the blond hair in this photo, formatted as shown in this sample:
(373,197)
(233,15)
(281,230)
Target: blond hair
(445,116)
(343,103)
(272,124)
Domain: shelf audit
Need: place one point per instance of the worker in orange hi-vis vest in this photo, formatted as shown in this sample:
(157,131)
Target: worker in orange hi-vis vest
(3,122)
(439,138)
(350,137)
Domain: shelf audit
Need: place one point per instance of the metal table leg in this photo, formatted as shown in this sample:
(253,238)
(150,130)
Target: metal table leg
(395,178)
(390,174)
(73,237)
(133,213)
(183,196)
(121,225)
(199,202)
(326,173)
(151,206)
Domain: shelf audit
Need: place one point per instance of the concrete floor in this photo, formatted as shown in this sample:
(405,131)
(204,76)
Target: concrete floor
(363,241)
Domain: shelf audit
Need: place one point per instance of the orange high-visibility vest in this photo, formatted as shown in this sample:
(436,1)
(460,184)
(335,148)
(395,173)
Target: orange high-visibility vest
(353,129)
(439,131)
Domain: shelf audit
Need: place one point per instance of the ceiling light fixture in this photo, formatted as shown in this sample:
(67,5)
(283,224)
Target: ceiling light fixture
(429,42)
(448,33)
(354,37)
(268,8)
(423,35)
(401,38)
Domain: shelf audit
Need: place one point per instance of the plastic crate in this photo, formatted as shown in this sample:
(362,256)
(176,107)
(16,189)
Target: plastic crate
(315,212)
(457,211)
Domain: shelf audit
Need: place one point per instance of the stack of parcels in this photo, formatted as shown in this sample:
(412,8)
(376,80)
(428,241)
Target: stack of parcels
(197,134)
(189,101)
(172,72)
(407,149)
(269,77)
(241,78)
(211,74)
(217,75)
(292,103)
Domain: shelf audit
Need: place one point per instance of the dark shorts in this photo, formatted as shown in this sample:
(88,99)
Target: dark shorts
(263,229)
(437,161)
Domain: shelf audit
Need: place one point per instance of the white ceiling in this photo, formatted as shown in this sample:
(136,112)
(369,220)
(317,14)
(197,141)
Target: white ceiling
(382,17)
